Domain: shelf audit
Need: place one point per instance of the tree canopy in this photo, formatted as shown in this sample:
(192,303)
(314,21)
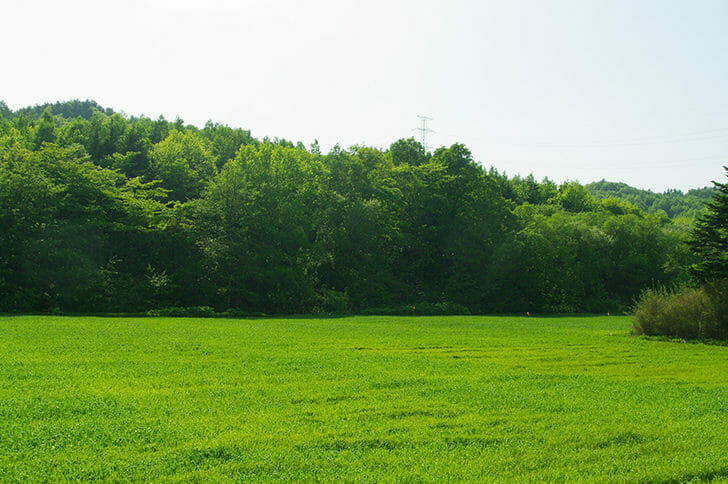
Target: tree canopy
(709,238)
(105,212)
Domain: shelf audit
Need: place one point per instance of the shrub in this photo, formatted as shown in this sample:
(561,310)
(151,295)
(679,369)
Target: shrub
(421,309)
(332,302)
(689,313)
(192,311)
(240,313)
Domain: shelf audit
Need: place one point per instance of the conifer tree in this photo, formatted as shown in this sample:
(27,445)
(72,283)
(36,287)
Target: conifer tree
(709,238)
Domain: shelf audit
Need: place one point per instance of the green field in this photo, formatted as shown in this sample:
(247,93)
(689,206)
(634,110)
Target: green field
(357,399)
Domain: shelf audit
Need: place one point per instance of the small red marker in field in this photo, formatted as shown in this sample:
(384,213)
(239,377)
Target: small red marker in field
(528,313)
(413,308)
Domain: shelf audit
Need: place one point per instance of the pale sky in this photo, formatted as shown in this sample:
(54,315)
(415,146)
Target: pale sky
(632,91)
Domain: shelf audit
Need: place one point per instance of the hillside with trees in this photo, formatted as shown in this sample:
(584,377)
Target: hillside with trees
(103,212)
(674,203)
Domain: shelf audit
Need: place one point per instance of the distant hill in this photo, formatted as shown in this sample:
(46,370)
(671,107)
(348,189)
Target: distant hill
(67,109)
(673,202)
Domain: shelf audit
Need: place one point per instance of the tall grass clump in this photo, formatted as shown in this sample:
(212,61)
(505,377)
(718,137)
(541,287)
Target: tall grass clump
(687,312)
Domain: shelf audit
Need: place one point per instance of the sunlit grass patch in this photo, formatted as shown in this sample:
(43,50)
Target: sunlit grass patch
(370,398)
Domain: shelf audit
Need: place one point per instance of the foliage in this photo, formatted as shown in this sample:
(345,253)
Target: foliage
(5,112)
(105,212)
(408,151)
(64,220)
(184,163)
(673,203)
(421,309)
(195,311)
(709,238)
(690,313)
(702,312)
(67,109)
(576,262)
(255,225)
(574,197)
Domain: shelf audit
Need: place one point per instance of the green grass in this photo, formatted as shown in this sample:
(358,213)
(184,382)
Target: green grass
(357,399)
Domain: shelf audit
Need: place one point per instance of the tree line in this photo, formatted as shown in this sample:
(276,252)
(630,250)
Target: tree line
(103,212)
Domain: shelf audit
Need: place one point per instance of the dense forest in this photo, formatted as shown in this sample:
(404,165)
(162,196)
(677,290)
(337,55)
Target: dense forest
(104,212)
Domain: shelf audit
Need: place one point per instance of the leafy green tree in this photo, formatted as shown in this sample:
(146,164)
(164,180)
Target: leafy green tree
(132,156)
(64,218)
(159,130)
(616,206)
(5,111)
(255,225)
(73,132)
(97,139)
(574,197)
(408,151)
(45,132)
(556,263)
(639,254)
(709,239)
(315,148)
(184,162)
(450,216)
(355,228)
(225,141)
(526,189)
(679,257)
(66,109)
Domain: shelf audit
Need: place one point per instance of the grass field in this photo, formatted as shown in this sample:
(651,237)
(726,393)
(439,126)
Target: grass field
(364,399)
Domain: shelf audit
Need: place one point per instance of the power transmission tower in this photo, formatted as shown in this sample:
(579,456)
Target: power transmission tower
(424,130)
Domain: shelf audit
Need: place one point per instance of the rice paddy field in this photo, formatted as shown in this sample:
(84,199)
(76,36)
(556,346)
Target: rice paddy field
(357,399)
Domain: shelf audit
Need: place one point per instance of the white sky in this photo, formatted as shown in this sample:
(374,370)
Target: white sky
(631,91)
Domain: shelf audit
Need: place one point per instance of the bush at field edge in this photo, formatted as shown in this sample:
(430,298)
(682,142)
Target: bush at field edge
(687,312)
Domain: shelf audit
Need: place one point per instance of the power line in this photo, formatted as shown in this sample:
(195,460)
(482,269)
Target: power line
(688,138)
(696,139)
(620,164)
